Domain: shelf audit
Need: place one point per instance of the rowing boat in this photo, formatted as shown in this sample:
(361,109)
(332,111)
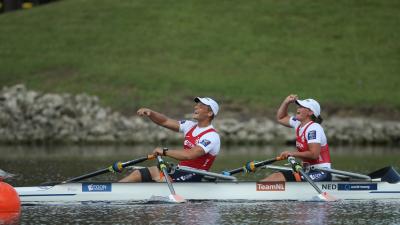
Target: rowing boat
(381,184)
(263,191)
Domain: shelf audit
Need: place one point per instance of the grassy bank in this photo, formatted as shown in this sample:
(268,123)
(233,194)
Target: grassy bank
(132,53)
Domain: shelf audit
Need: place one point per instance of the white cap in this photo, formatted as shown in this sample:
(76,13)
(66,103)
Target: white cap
(210,102)
(310,104)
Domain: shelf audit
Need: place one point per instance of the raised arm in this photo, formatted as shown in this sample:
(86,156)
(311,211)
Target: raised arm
(159,119)
(282,115)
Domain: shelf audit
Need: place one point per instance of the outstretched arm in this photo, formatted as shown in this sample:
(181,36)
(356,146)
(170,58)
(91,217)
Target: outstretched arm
(159,119)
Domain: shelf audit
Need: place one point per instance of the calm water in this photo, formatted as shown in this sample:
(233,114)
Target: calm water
(35,165)
(376,212)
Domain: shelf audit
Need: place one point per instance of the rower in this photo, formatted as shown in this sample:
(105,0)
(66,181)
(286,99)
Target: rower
(200,148)
(311,142)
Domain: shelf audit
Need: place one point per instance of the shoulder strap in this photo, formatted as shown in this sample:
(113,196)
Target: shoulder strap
(206,131)
(191,130)
(305,129)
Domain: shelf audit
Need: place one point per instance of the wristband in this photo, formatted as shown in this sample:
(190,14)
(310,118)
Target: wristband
(164,151)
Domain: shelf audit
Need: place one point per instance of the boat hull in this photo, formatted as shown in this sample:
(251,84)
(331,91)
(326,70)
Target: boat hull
(260,191)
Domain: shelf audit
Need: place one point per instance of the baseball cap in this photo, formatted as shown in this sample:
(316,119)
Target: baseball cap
(310,104)
(210,102)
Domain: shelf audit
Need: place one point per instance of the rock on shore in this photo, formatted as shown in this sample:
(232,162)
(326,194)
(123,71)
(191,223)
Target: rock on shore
(27,116)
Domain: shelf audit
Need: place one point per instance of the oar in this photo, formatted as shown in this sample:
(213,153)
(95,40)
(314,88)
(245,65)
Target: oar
(205,173)
(341,172)
(173,196)
(297,168)
(251,166)
(4,175)
(116,167)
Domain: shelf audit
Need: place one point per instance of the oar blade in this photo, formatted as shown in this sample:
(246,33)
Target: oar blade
(324,197)
(327,197)
(166,199)
(176,198)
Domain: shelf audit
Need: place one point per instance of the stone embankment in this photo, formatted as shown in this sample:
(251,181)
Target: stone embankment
(28,116)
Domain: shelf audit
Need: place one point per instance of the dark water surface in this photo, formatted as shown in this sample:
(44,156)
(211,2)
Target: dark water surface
(35,165)
(354,212)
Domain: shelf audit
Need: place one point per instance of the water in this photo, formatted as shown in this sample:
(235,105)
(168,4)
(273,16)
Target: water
(372,212)
(35,165)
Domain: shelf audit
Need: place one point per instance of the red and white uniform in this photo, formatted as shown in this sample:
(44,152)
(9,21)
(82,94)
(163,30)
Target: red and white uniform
(312,133)
(205,137)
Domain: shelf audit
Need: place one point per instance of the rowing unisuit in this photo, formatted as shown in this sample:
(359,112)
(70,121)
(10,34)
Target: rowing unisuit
(205,137)
(312,133)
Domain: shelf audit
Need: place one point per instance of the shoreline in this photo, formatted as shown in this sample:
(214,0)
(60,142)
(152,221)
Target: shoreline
(30,117)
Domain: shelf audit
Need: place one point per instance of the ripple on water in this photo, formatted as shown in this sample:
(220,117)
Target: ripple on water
(209,212)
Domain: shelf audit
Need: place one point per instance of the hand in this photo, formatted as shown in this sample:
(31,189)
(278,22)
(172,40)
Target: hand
(291,98)
(286,154)
(144,112)
(158,151)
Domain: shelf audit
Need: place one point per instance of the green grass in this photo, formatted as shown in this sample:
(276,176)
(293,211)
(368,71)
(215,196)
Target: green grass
(344,53)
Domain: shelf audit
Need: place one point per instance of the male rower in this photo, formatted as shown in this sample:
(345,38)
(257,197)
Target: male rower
(200,147)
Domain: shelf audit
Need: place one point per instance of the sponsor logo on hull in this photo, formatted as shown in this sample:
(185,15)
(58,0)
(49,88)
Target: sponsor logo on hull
(270,186)
(357,187)
(96,187)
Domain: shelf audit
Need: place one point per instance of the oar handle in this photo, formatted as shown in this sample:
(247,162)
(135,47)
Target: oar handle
(251,164)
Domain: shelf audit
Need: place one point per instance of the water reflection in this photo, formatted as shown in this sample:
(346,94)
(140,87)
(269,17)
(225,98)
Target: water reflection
(10,218)
(347,212)
(189,213)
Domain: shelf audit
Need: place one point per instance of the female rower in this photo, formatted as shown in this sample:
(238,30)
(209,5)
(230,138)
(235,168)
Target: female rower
(311,142)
